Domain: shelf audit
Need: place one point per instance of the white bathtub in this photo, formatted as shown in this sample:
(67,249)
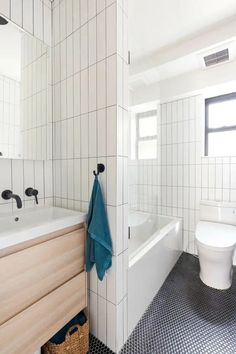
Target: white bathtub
(155,245)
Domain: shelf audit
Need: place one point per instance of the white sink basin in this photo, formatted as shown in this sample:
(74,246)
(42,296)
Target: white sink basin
(27,224)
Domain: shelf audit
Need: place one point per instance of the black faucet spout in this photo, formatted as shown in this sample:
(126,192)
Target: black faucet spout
(7,194)
(18,200)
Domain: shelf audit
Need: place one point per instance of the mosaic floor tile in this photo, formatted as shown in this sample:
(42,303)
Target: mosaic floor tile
(97,347)
(185,317)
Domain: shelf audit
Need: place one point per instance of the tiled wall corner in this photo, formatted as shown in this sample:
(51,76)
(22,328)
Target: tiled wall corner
(90,125)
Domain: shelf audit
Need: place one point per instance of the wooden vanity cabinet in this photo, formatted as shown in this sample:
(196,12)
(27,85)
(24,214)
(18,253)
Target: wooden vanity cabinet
(42,287)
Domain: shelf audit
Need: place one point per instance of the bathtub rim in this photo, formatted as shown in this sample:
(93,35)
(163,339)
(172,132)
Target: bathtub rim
(156,237)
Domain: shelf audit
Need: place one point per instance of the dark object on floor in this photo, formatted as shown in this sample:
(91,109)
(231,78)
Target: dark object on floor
(187,317)
(72,338)
(97,347)
(59,337)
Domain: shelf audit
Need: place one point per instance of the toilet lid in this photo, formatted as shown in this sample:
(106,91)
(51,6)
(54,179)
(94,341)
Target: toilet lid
(216,234)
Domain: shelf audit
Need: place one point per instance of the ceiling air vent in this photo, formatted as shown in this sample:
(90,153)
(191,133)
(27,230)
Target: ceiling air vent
(216,58)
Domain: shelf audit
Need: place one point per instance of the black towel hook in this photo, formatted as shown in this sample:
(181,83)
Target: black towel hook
(100,169)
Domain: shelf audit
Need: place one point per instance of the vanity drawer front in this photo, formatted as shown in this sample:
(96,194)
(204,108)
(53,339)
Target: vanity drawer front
(30,329)
(28,275)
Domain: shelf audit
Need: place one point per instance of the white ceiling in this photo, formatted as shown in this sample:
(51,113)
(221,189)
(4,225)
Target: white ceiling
(154,24)
(170,37)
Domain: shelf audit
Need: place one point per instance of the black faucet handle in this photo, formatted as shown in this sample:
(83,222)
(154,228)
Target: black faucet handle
(7,194)
(31,192)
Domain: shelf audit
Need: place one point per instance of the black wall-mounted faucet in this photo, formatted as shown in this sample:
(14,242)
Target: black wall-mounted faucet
(7,194)
(31,192)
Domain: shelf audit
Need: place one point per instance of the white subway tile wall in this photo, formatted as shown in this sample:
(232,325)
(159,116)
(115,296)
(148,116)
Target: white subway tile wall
(17,175)
(90,119)
(181,176)
(90,122)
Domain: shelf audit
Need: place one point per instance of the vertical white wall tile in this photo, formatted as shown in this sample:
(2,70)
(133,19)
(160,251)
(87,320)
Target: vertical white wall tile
(63,27)
(84,135)
(112,131)
(76,14)
(47,22)
(92,41)
(16,12)
(101,36)
(77,135)
(111,29)
(102,319)
(28,174)
(48,179)
(92,88)
(92,8)
(84,47)
(111,326)
(101,126)
(93,313)
(101,4)
(77,97)
(112,80)
(39,177)
(69,15)
(84,91)
(28,14)
(84,11)
(56,24)
(92,134)
(101,84)
(69,56)
(38,19)
(17,177)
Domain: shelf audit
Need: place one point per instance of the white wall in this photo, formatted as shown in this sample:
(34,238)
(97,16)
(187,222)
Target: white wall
(175,184)
(90,125)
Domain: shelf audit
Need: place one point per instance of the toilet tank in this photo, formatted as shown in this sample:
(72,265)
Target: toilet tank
(222,212)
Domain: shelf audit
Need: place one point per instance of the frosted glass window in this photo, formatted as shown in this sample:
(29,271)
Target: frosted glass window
(147,126)
(147,149)
(220,125)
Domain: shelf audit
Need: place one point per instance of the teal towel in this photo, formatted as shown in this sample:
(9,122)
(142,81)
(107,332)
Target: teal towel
(99,245)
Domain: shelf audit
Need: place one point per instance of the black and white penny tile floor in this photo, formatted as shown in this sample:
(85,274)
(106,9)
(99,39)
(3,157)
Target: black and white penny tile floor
(97,347)
(185,317)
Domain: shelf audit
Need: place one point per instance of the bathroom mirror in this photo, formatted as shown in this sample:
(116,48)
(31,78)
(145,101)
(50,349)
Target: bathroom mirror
(25,95)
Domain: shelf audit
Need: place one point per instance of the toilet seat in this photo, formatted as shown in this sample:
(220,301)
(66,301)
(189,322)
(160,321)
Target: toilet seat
(216,236)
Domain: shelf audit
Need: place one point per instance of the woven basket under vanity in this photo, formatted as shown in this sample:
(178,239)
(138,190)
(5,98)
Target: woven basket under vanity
(76,342)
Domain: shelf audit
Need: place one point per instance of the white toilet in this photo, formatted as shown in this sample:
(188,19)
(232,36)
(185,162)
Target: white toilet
(216,243)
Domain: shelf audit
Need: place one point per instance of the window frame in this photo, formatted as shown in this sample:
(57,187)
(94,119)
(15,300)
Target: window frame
(208,102)
(144,138)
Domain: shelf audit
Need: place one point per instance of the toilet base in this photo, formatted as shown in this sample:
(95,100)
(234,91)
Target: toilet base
(222,285)
(216,267)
